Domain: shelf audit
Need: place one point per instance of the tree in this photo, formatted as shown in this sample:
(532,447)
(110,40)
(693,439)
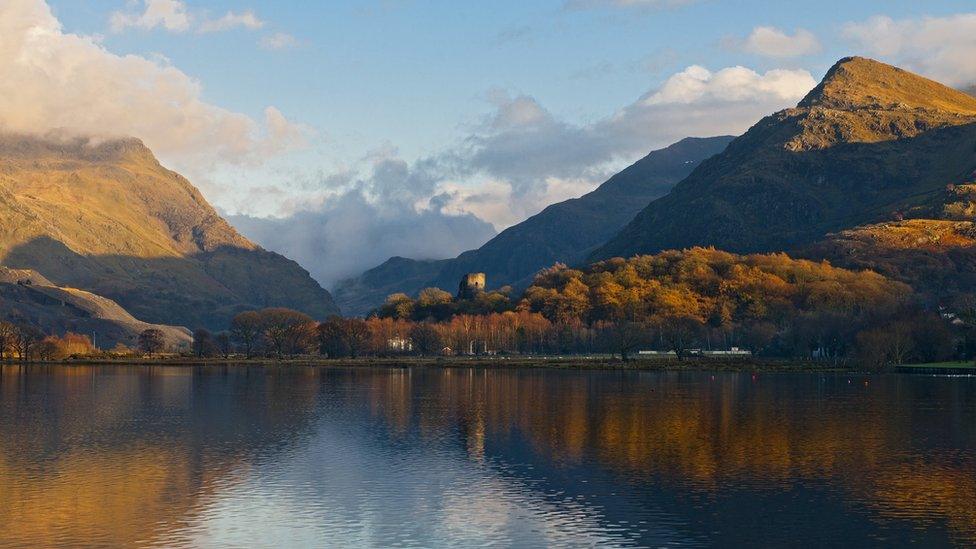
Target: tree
(625,337)
(433,303)
(679,332)
(332,337)
(399,306)
(26,339)
(203,343)
(224,344)
(48,349)
(426,339)
(343,337)
(246,329)
(8,339)
(152,341)
(286,330)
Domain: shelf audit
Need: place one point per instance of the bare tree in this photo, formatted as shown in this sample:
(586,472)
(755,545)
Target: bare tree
(203,343)
(224,344)
(8,339)
(625,337)
(26,339)
(426,339)
(152,341)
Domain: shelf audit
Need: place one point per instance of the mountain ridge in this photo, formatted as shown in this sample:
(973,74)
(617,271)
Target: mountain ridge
(857,149)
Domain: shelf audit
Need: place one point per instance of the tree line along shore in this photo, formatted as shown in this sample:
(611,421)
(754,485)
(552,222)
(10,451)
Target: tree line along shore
(675,307)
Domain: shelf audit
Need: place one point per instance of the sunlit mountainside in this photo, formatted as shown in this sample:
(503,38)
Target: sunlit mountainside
(106,217)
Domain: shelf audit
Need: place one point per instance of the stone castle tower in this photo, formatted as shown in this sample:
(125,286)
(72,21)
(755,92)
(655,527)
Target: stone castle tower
(471,285)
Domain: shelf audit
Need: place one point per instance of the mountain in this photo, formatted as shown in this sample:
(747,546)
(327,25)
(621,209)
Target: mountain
(26,296)
(359,295)
(565,232)
(870,143)
(107,218)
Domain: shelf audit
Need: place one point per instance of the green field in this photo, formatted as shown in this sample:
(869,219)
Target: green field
(961,364)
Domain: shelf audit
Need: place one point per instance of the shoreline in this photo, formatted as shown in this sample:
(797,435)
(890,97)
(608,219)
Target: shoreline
(600,363)
(590,363)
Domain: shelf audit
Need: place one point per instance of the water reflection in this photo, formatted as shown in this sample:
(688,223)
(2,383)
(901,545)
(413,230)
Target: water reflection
(325,457)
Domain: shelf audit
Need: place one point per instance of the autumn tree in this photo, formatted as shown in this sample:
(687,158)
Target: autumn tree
(246,329)
(343,337)
(400,306)
(287,331)
(433,303)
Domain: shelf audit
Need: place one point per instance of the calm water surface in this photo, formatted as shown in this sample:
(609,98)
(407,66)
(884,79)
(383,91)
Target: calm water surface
(172,457)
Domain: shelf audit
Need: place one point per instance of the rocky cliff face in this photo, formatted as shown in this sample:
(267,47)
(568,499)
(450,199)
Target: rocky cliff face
(564,232)
(107,218)
(870,143)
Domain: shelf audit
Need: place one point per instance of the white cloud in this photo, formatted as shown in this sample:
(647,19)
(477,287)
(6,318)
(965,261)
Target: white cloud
(524,146)
(943,48)
(53,80)
(168,14)
(731,85)
(232,20)
(278,41)
(174,16)
(772,42)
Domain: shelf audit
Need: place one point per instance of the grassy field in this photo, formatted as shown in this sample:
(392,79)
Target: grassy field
(959,364)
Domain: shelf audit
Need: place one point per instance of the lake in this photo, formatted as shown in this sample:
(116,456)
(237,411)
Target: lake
(309,457)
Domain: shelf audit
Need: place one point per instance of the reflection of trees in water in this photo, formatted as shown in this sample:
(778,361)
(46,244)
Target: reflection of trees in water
(892,445)
(119,457)
(132,455)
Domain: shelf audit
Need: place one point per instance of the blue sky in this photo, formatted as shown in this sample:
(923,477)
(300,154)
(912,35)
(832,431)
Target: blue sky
(411,72)
(341,133)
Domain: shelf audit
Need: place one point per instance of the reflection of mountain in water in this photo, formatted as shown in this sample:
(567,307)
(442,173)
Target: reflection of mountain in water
(424,457)
(122,456)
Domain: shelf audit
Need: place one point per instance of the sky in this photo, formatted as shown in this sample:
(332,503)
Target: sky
(342,133)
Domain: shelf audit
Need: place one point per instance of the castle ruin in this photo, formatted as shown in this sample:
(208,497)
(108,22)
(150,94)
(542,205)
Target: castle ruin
(472,284)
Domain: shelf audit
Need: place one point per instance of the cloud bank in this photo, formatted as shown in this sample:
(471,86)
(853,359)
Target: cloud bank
(53,80)
(355,224)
